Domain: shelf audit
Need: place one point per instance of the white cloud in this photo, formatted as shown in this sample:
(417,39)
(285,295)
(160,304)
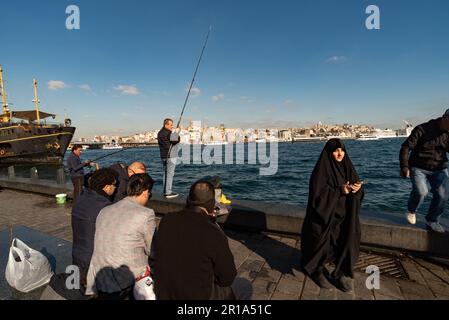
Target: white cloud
(131,90)
(218,97)
(336,59)
(56,85)
(195,92)
(85,87)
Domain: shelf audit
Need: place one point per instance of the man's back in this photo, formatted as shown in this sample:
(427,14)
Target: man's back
(191,253)
(429,143)
(122,181)
(123,238)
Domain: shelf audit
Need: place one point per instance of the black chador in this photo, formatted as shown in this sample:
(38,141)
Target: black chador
(331,229)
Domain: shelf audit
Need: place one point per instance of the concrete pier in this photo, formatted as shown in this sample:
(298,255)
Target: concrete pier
(270,263)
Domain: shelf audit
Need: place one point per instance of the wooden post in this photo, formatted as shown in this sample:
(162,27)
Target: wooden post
(11,173)
(60,176)
(33,174)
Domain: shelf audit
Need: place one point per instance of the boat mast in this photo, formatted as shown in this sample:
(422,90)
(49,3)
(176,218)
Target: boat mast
(4,103)
(36,100)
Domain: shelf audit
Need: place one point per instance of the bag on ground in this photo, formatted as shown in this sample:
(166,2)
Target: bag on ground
(27,269)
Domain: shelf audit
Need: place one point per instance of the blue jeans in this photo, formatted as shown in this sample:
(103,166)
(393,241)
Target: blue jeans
(169,173)
(438,181)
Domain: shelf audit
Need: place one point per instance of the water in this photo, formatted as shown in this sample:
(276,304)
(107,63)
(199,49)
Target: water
(377,163)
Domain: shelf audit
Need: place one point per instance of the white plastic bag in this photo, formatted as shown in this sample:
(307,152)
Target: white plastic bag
(144,289)
(27,269)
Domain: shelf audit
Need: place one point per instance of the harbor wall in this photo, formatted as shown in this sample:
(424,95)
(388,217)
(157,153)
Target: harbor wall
(379,229)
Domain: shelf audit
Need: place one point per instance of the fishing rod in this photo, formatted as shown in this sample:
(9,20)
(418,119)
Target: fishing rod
(194,77)
(108,155)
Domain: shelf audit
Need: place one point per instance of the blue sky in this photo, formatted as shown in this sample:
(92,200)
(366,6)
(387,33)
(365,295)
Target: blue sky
(268,63)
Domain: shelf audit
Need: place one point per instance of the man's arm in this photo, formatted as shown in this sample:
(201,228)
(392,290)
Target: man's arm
(74,164)
(224,266)
(409,145)
(148,233)
(174,138)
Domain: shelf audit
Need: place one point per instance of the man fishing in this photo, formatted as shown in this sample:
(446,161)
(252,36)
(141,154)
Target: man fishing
(167,139)
(427,164)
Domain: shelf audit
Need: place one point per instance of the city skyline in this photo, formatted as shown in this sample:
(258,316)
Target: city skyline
(270,65)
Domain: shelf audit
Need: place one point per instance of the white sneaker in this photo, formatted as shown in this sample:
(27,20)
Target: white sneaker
(436,226)
(411,217)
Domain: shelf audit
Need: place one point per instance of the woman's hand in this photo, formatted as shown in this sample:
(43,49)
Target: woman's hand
(356,187)
(346,188)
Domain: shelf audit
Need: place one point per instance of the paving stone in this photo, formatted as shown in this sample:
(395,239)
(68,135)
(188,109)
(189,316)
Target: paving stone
(328,294)
(360,290)
(311,291)
(439,287)
(283,296)
(263,290)
(415,291)
(289,286)
(389,287)
(345,295)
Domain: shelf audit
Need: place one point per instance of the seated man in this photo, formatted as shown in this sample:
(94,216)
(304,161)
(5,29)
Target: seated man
(124,173)
(124,232)
(84,216)
(193,260)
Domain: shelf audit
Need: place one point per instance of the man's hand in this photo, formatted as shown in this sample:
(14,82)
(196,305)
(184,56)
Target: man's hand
(405,173)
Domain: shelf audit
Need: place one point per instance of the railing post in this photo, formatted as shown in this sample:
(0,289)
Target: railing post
(33,174)
(11,173)
(60,176)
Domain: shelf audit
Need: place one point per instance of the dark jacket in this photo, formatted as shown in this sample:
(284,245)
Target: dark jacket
(84,216)
(165,139)
(428,144)
(191,253)
(122,181)
(75,166)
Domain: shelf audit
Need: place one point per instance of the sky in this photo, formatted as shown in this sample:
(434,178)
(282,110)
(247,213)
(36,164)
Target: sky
(267,64)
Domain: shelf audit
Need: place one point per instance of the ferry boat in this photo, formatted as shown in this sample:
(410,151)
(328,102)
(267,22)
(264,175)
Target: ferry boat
(307,139)
(27,138)
(112,146)
(215,143)
(367,137)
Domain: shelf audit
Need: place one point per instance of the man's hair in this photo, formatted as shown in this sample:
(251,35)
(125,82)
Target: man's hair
(202,194)
(76,147)
(166,121)
(102,178)
(139,183)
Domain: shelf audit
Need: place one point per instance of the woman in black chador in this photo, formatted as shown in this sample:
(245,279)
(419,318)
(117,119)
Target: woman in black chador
(331,229)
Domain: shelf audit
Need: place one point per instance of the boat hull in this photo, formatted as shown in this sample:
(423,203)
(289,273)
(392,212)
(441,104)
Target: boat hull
(34,144)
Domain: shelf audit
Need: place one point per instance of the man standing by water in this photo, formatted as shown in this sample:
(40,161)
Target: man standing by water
(76,169)
(427,164)
(167,139)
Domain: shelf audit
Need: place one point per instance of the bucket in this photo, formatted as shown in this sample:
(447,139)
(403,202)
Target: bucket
(61,198)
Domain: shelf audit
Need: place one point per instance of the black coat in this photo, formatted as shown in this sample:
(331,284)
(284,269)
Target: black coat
(122,181)
(164,139)
(84,216)
(331,228)
(191,253)
(429,144)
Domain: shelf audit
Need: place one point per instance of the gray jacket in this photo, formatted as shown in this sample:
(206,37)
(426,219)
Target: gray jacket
(122,245)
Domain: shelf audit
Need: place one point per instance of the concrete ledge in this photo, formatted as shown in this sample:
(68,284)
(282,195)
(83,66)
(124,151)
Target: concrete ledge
(378,229)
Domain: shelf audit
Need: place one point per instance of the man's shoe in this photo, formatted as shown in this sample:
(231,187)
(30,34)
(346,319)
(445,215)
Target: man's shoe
(436,226)
(171,195)
(320,280)
(411,217)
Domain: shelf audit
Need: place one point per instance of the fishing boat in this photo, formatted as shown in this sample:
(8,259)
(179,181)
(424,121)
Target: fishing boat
(113,145)
(27,138)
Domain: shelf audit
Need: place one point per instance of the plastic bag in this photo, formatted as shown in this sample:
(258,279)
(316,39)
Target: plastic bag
(144,287)
(27,269)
